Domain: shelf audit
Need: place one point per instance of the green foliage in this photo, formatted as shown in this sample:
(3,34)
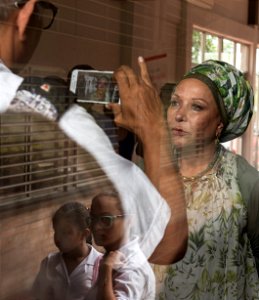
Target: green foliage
(196,46)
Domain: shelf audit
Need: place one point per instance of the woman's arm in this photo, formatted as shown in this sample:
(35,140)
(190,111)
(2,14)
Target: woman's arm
(141,111)
(163,172)
(253,222)
(248,180)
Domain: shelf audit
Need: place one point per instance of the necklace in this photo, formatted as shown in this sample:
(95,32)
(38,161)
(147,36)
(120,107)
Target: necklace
(208,168)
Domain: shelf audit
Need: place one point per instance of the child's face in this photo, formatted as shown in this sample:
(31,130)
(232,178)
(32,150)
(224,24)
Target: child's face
(67,236)
(109,232)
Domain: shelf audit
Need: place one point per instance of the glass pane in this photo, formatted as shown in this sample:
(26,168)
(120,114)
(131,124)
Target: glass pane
(228,51)
(242,57)
(196,47)
(211,47)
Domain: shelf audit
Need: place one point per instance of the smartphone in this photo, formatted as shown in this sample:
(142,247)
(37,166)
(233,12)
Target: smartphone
(94,86)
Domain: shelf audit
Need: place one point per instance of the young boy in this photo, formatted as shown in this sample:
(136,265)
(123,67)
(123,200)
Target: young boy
(71,272)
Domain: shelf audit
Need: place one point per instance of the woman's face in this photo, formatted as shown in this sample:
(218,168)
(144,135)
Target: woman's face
(111,234)
(102,83)
(193,116)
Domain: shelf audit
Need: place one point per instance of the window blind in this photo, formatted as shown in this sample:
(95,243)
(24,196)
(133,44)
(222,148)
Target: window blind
(37,159)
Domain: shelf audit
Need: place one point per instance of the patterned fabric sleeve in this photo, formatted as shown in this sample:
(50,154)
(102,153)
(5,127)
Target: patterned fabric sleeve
(248,178)
(253,222)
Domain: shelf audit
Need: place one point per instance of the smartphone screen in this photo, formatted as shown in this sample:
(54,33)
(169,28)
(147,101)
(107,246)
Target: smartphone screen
(94,86)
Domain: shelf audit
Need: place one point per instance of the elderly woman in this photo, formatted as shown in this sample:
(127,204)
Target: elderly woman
(213,103)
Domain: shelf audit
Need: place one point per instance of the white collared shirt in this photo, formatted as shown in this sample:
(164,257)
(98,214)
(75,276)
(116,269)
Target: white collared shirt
(54,283)
(9,83)
(133,278)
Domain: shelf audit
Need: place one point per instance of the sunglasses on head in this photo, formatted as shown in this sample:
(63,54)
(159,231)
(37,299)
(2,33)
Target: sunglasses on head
(44,11)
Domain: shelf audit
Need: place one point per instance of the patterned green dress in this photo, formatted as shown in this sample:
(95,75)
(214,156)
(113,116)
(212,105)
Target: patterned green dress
(218,263)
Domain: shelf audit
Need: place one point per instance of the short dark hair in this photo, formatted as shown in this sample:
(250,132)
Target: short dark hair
(76,212)
(110,194)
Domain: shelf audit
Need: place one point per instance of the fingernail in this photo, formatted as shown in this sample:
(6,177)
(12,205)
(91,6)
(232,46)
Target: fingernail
(140,59)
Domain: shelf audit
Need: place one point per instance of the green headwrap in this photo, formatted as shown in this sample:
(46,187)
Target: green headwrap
(232,92)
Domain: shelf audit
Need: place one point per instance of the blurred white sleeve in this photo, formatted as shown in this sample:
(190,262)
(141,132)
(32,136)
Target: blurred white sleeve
(9,84)
(138,195)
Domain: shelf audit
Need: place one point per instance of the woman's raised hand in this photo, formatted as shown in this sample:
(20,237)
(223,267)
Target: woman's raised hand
(141,109)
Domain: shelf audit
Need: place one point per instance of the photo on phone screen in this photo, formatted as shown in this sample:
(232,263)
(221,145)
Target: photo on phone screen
(94,86)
